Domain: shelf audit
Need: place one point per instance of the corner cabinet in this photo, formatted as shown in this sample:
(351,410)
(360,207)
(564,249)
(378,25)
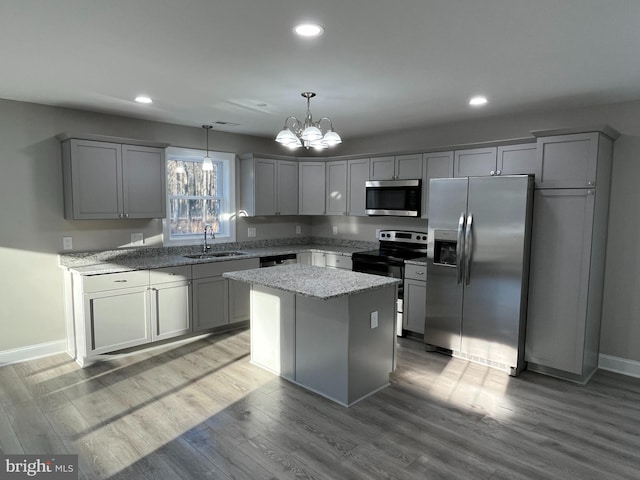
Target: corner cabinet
(216,300)
(268,186)
(107,179)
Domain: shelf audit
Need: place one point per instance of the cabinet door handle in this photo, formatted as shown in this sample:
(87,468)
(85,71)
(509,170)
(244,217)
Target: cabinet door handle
(419,273)
(591,183)
(120,281)
(492,173)
(498,172)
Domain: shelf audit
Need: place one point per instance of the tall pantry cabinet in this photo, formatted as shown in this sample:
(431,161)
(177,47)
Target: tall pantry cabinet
(569,234)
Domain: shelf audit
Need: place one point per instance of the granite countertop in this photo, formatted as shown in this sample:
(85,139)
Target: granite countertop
(309,281)
(422,261)
(116,261)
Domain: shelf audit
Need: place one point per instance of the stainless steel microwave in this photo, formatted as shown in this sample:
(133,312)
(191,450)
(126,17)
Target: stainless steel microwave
(401,198)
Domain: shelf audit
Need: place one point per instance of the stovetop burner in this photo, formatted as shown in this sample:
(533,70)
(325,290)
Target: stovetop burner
(396,246)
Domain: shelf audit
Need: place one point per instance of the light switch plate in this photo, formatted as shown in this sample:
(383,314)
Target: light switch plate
(67,243)
(137,239)
(298,229)
(335,229)
(374,319)
(251,232)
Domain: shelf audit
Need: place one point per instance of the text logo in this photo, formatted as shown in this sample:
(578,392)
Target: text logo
(50,467)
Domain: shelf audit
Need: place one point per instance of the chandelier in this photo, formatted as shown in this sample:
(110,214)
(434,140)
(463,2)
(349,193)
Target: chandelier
(308,134)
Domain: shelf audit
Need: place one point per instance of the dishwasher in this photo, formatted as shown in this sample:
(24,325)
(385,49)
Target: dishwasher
(273,260)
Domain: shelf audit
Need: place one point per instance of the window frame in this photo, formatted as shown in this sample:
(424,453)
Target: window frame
(228,198)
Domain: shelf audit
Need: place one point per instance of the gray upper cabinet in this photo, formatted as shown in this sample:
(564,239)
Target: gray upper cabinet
(268,186)
(311,180)
(476,162)
(357,175)
(567,161)
(436,165)
(337,188)
(346,186)
(399,167)
(106,180)
(517,159)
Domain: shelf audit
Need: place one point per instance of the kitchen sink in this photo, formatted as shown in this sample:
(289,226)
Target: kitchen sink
(200,256)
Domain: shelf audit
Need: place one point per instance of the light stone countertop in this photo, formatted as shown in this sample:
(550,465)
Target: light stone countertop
(422,261)
(309,281)
(128,263)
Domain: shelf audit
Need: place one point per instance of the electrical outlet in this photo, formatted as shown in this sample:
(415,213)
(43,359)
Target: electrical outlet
(137,239)
(374,319)
(335,229)
(251,232)
(67,243)
(298,229)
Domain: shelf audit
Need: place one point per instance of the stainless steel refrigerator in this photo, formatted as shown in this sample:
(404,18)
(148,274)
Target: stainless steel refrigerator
(478,268)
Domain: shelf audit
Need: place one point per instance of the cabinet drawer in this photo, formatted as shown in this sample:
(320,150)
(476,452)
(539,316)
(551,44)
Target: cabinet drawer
(170,274)
(338,261)
(416,272)
(215,269)
(114,281)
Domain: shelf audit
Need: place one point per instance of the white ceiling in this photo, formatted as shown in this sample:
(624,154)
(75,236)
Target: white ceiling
(381,64)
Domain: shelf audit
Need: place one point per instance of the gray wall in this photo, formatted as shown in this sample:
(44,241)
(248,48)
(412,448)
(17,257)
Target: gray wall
(31,311)
(31,212)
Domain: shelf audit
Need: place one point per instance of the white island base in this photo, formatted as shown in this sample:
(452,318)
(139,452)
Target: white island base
(333,347)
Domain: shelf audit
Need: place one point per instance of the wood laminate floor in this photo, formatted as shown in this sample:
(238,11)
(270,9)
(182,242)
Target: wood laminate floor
(201,410)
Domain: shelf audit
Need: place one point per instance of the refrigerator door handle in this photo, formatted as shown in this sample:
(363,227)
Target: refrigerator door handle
(468,238)
(459,248)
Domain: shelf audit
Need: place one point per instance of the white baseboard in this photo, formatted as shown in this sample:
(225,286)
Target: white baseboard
(32,351)
(619,365)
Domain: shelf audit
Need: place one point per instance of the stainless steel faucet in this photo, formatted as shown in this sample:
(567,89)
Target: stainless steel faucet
(206,247)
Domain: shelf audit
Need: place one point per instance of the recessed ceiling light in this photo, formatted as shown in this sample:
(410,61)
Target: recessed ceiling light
(478,101)
(143,99)
(308,29)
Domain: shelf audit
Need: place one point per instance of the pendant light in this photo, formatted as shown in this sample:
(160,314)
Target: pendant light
(207,163)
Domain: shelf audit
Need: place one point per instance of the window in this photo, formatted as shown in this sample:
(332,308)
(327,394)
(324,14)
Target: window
(196,198)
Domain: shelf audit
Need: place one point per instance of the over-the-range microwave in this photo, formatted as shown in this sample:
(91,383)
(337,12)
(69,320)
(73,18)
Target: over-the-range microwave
(393,197)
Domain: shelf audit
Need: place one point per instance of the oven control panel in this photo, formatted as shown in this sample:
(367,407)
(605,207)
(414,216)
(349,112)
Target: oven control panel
(402,236)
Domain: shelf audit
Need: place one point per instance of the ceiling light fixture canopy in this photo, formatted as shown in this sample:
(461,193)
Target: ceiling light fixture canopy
(308,134)
(207,163)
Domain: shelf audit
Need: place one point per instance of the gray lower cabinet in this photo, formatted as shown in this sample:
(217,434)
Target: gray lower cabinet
(116,319)
(170,302)
(217,301)
(304,258)
(210,303)
(110,312)
(106,180)
(415,298)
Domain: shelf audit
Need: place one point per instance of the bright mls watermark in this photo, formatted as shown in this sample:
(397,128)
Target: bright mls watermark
(51,467)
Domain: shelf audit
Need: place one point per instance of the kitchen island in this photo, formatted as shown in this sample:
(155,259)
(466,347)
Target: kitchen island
(330,331)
